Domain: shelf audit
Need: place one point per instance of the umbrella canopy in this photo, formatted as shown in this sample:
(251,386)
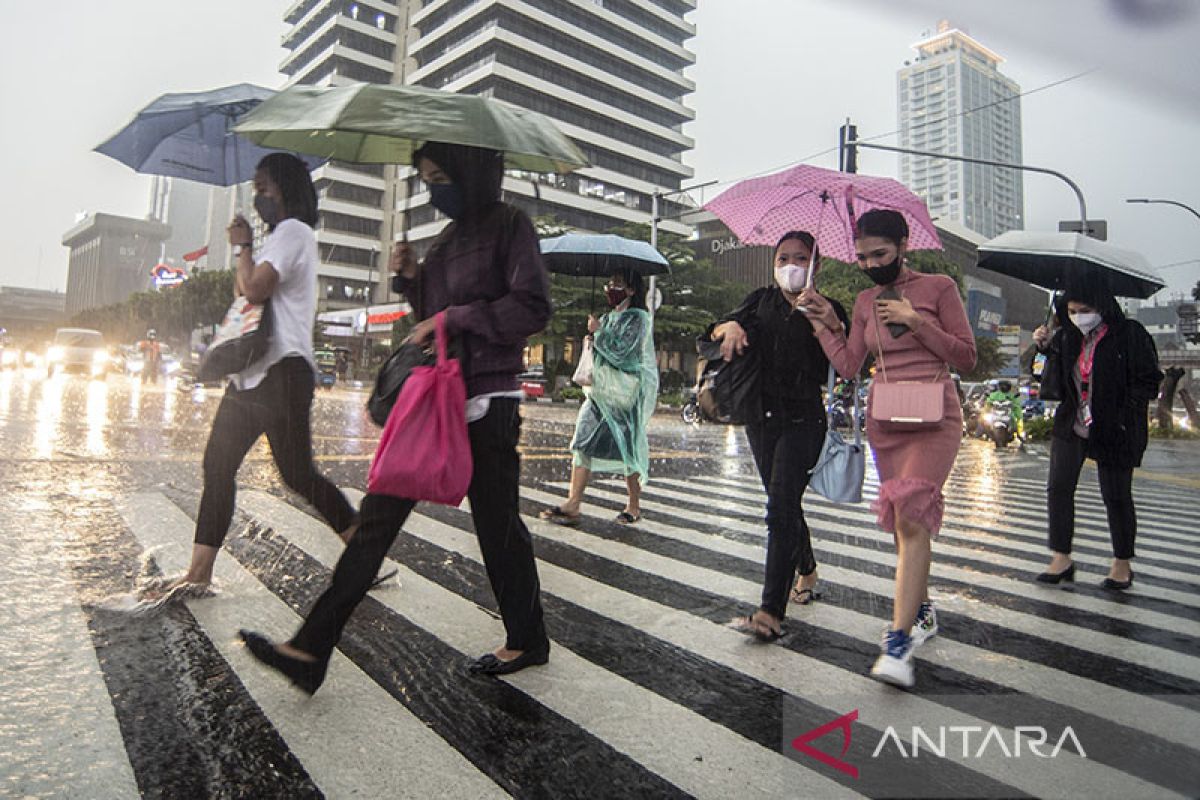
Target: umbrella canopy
(189,135)
(383,124)
(601,254)
(823,202)
(1056,260)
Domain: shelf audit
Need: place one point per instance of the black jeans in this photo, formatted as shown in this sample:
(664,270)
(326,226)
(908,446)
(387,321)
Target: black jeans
(784,451)
(278,407)
(503,538)
(1116,488)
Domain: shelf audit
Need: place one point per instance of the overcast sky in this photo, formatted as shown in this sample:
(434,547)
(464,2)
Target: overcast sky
(774,80)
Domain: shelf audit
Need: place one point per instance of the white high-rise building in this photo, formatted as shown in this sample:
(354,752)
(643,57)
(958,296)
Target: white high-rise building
(610,73)
(335,42)
(954,100)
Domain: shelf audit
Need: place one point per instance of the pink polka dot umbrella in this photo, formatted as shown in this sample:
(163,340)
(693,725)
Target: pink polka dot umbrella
(823,202)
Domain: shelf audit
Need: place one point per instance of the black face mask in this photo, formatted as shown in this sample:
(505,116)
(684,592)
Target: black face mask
(268,209)
(885,273)
(449,199)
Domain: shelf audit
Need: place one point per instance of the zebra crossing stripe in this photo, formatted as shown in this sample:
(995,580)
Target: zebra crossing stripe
(956,531)
(1016,567)
(57,710)
(1098,642)
(1160,542)
(397,741)
(631,719)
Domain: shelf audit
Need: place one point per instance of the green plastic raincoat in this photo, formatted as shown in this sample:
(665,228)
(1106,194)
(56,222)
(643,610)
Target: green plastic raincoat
(610,432)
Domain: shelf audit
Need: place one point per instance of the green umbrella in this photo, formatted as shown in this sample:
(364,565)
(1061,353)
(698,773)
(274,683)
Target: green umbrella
(371,123)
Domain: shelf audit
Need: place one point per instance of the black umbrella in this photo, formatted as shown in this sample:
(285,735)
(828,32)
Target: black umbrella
(1058,260)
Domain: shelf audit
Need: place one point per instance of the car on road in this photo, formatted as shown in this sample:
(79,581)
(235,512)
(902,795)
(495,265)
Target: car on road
(533,383)
(78,350)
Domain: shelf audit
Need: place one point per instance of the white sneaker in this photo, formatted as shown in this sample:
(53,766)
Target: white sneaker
(926,625)
(894,666)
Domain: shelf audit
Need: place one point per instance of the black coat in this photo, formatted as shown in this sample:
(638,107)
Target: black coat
(1125,378)
(792,365)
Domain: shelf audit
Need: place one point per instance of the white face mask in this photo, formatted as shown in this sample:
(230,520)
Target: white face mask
(1086,322)
(791,278)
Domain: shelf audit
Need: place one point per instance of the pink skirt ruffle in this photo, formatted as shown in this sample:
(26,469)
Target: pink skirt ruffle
(913,498)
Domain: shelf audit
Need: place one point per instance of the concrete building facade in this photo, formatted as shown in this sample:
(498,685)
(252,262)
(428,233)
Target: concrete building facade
(953,99)
(111,258)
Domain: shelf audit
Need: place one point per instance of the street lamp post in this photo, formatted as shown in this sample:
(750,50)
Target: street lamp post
(1166,202)
(367,309)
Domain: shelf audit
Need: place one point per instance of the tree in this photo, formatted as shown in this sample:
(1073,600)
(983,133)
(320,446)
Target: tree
(173,313)
(988,359)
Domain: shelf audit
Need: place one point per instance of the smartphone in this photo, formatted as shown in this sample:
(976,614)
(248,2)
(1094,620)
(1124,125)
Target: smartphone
(897,329)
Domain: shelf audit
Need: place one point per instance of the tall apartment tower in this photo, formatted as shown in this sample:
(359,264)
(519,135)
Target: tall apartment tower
(954,100)
(610,73)
(332,43)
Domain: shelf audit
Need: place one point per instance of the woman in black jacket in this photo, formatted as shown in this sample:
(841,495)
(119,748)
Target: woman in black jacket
(787,434)
(1107,366)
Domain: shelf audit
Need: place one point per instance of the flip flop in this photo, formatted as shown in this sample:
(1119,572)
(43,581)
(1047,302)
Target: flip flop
(625,518)
(758,630)
(805,596)
(560,517)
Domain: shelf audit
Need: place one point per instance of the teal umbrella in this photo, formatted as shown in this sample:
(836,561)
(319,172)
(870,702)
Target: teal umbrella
(373,123)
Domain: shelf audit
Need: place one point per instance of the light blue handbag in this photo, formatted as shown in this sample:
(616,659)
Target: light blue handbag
(838,473)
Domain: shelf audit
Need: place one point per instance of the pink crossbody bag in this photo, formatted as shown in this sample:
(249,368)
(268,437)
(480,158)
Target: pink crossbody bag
(906,402)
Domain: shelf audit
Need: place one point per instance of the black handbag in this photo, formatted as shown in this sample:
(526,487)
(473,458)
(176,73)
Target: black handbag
(729,392)
(1051,382)
(391,377)
(242,338)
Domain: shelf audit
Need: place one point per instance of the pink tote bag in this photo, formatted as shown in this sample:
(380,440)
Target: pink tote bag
(424,453)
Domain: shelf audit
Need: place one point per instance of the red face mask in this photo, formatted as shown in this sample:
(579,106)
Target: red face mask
(615,297)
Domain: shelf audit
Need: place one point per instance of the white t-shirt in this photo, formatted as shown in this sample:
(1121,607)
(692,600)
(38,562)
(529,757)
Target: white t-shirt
(292,250)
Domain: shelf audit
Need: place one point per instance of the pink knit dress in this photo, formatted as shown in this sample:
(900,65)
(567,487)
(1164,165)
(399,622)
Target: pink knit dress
(913,461)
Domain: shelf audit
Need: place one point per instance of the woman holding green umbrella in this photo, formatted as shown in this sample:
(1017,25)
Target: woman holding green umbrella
(484,272)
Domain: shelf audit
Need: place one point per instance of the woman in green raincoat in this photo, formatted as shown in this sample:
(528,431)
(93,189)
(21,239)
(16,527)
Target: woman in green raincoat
(610,432)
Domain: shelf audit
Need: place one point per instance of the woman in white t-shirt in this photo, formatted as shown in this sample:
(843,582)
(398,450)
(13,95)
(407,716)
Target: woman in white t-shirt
(274,394)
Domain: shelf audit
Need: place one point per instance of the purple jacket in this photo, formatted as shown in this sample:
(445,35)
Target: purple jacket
(486,273)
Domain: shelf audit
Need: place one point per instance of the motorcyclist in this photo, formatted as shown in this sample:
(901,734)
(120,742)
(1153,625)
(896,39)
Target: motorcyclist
(1004,392)
(151,352)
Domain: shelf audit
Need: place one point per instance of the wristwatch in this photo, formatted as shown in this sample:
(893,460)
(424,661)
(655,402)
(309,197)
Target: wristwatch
(238,248)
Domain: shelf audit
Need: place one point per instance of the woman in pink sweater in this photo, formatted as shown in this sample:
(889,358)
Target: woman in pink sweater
(917,335)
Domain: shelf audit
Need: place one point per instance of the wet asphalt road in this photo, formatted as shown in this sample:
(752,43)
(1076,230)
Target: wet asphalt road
(648,693)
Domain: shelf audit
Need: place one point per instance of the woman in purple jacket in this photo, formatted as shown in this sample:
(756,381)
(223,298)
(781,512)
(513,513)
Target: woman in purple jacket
(484,271)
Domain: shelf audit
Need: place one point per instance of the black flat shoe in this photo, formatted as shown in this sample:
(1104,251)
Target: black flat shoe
(1120,586)
(491,665)
(308,675)
(1067,575)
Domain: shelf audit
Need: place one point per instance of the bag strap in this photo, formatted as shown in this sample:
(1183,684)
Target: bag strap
(879,335)
(439,326)
(829,405)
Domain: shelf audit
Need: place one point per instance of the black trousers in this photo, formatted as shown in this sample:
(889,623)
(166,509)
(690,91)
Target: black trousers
(784,451)
(1116,488)
(503,538)
(280,408)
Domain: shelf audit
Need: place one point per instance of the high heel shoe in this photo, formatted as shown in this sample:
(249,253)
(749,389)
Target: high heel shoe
(1120,586)
(1067,575)
(307,675)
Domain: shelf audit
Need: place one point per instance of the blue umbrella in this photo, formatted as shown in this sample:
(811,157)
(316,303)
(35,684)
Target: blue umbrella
(188,135)
(601,254)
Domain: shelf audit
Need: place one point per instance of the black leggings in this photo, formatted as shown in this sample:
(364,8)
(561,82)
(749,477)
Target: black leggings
(1116,488)
(785,450)
(503,539)
(278,407)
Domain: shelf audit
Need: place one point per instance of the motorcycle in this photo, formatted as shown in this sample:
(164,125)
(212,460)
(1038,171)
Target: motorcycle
(690,413)
(999,423)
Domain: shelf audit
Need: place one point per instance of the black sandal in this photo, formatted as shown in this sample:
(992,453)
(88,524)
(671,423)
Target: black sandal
(625,518)
(560,517)
(805,596)
(758,630)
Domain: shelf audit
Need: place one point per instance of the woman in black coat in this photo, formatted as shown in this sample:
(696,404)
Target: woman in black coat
(1107,368)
